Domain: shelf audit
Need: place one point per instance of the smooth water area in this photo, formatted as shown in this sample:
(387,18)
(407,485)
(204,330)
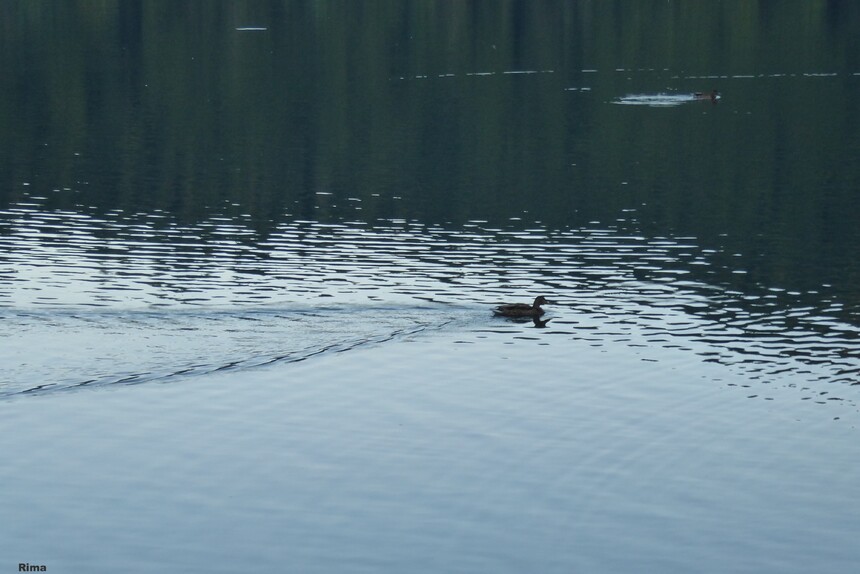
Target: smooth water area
(249,253)
(553,456)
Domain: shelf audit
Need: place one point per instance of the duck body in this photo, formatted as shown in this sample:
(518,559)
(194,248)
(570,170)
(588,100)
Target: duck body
(521,309)
(713,96)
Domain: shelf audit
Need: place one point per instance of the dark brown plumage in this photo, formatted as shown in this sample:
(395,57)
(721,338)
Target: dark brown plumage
(713,96)
(521,309)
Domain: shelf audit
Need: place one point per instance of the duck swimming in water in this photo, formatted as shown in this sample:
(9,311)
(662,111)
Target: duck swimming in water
(521,309)
(713,96)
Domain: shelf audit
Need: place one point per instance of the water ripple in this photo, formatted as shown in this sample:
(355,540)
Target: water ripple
(609,285)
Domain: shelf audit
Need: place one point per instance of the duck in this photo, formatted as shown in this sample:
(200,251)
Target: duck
(521,309)
(713,96)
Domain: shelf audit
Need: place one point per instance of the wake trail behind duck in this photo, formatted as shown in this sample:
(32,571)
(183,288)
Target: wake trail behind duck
(83,349)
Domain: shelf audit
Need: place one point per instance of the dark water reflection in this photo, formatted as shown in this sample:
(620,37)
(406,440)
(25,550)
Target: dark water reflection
(236,196)
(240,156)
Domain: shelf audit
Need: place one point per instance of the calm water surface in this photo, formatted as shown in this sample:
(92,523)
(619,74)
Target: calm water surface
(262,192)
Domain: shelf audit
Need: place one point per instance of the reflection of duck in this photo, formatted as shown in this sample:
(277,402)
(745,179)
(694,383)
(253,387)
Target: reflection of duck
(713,96)
(534,320)
(522,309)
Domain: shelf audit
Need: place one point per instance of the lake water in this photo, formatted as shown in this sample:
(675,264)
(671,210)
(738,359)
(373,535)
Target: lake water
(249,253)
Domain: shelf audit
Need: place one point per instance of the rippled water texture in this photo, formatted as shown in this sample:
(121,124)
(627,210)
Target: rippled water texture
(133,298)
(249,253)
